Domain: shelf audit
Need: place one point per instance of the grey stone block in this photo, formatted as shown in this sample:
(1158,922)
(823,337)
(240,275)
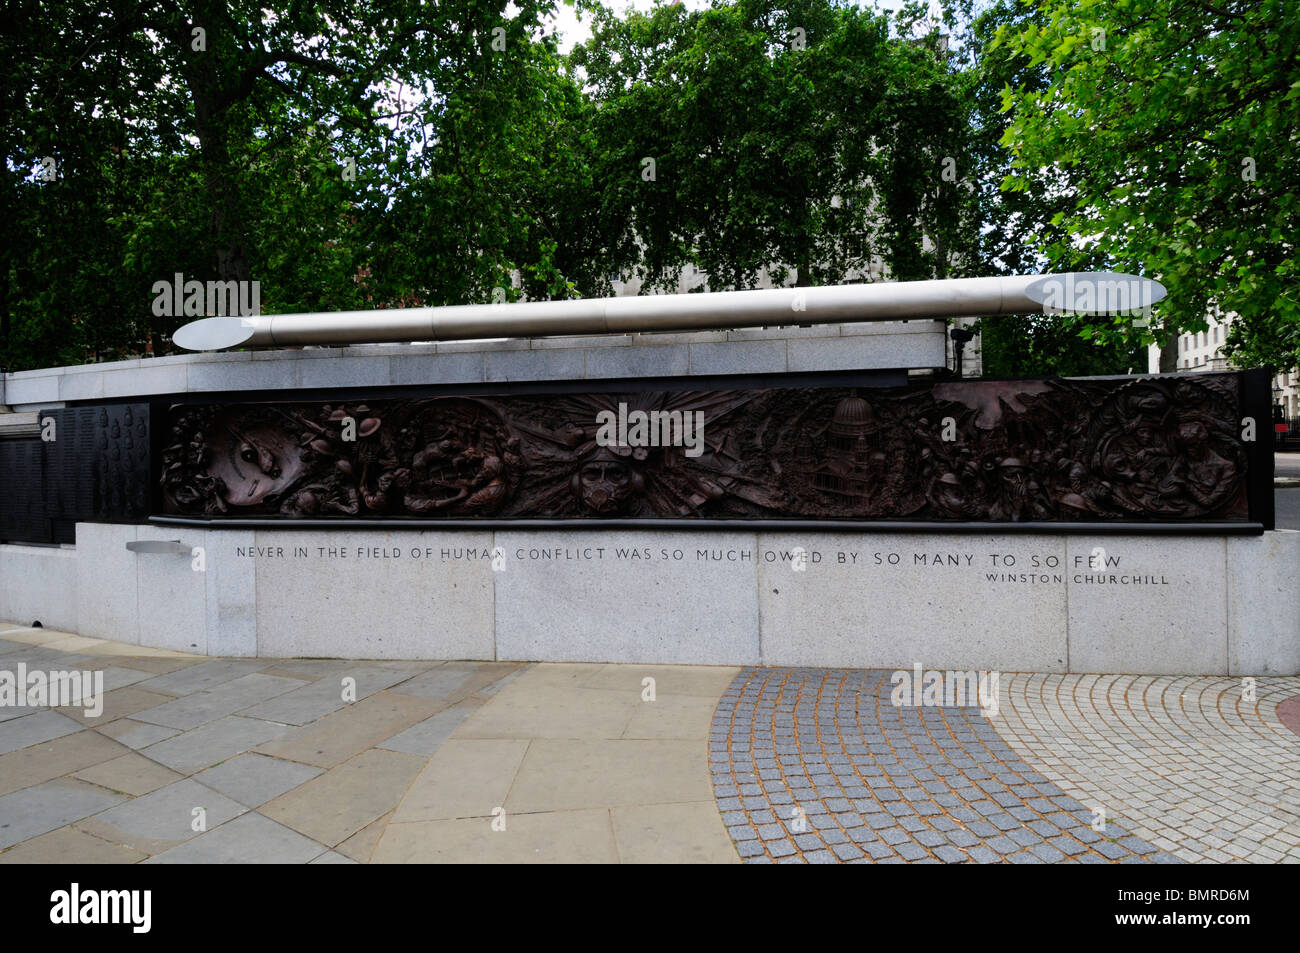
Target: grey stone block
(1047,853)
(209,375)
(738,357)
(168,813)
(432,369)
(847,851)
(781,848)
(669,360)
(1109,850)
(426,737)
(147,378)
(38,810)
(248,839)
(866,352)
(912,852)
(534,365)
(212,743)
(336,370)
(254,779)
(19,390)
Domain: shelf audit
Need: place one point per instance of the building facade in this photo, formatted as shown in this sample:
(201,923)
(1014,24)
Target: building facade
(1202,351)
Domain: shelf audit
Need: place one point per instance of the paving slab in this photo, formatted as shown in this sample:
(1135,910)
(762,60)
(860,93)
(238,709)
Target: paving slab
(331,857)
(163,818)
(440,682)
(466,777)
(425,737)
(27,636)
(136,734)
(226,698)
(46,807)
(688,833)
(677,717)
(210,744)
(343,734)
(703,681)
(254,779)
(119,703)
(130,774)
(202,676)
(67,845)
(724,765)
(532,707)
(64,755)
(344,800)
(161,664)
(43,724)
(569,774)
(359,847)
(248,839)
(306,703)
(10,712)
(565,837)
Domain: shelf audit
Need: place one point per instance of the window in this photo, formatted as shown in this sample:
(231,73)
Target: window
(1201,339)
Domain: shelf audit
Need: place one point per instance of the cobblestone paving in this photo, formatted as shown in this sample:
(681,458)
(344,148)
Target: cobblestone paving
(817,766)
(1188,762)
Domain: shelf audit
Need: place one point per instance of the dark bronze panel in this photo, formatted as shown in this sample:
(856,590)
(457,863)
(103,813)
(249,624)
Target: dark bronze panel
(1165,449)
(96,469)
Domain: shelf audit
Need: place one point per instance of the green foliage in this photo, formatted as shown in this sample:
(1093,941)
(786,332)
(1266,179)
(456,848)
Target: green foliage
(804,135)
(1017,345)
(783,135)
(227,162)
(1170,126)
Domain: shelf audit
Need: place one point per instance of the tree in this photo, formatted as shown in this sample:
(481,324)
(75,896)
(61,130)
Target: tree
(1173,125)
(793,134)
(198,138)
(1016,223)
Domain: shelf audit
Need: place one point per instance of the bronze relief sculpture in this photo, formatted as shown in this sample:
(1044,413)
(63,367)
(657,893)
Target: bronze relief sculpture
(984,451)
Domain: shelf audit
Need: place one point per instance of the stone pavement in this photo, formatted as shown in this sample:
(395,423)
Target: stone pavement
(1190,764)
(198,760)
(817,765)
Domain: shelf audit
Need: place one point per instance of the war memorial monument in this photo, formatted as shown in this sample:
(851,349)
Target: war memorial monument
(778,477)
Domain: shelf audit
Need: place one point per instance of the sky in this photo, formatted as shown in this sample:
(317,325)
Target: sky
(573,30)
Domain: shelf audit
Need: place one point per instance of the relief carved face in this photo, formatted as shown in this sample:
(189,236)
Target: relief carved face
(253,462)
(604,485)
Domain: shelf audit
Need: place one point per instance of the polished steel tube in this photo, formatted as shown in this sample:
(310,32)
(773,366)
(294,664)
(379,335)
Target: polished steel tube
(1079,292)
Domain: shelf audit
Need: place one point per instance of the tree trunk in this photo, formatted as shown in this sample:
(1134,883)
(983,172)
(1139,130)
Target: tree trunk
(207,87)
(1169,355)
